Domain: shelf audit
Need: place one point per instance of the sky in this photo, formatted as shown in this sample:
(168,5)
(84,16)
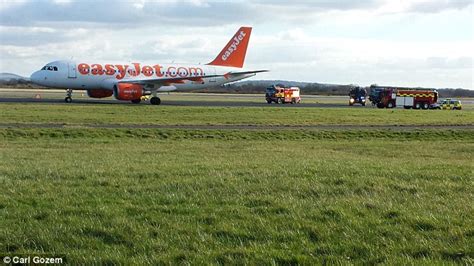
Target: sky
(386,42)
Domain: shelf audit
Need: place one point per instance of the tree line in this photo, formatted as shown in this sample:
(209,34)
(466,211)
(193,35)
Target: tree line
(257,87)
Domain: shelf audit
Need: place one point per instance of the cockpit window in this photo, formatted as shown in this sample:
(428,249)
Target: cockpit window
(50,68)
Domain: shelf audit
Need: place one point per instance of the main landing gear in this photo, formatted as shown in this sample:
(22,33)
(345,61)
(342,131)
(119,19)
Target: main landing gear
(155,100)
(68,98)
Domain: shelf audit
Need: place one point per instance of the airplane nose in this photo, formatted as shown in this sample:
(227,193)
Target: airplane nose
(34,77)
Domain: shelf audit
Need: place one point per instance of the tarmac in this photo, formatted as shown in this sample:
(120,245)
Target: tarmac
(178,103)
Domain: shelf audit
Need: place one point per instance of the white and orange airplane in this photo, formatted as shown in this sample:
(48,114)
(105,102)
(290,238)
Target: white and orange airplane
(130,82)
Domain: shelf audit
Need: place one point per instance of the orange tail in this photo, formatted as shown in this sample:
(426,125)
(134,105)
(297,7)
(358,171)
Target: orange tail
(233,54)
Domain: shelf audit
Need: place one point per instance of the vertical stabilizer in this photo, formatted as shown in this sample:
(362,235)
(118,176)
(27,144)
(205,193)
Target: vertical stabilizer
(233,54)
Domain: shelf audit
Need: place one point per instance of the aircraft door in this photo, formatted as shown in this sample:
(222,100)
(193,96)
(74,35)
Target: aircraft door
(71,70)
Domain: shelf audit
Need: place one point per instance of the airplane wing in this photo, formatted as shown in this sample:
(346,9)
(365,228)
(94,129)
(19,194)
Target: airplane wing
(247,72)
(237,73)
(167,81)
(178,80)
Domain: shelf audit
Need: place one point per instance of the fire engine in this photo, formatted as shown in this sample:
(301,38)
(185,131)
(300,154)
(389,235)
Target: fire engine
(390,97)
(283,95)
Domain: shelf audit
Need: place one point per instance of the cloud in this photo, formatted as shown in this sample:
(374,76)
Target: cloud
(194,12)
(425,6)
(124,13)
(34,36)
(345,41)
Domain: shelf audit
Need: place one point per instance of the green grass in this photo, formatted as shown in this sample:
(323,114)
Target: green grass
(259,197)
(269,115)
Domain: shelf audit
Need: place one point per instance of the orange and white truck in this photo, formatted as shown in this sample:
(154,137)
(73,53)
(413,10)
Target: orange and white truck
(282,95)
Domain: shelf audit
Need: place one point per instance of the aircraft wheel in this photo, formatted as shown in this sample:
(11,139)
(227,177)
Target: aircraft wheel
(68,99)
(155,101)
(136,100)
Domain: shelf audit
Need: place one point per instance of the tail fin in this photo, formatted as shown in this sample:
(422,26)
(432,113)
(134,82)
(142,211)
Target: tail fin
(233,54)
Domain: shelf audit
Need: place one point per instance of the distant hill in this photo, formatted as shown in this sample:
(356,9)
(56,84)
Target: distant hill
(12,79)
(259,86)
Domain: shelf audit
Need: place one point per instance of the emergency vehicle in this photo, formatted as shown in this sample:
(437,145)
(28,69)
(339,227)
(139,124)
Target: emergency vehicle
(357,95)
(450,104)
(283,95)
(390,97)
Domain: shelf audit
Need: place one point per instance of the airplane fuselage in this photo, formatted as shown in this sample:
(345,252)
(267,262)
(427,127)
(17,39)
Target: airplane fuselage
(85,75)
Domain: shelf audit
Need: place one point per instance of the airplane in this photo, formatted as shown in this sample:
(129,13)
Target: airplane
(136,81)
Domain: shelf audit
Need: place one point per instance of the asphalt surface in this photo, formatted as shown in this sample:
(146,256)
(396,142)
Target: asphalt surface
(213,100)
(180,103)
(238,127)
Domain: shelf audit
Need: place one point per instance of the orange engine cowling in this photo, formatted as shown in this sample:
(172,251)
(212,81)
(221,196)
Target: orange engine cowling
(128,91)
(99,93)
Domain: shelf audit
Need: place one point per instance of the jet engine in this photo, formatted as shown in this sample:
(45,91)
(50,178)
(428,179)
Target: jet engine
(99,93)
(128,91)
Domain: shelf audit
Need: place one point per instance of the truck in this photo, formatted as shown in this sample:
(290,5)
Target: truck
(357,95)
(390,97)
(279,94)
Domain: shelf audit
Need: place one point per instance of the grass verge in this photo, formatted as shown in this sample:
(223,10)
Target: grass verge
(200,196)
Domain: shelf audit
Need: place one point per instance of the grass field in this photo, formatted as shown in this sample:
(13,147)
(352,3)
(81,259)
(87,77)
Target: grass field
(194,115)
(169,196)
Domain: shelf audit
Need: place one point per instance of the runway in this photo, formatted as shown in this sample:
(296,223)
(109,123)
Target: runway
(165,102)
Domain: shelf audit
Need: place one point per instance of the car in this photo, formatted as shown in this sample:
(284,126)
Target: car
(451,104)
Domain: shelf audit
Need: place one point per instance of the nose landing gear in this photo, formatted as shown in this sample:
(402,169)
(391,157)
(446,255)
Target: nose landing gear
(68,98)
